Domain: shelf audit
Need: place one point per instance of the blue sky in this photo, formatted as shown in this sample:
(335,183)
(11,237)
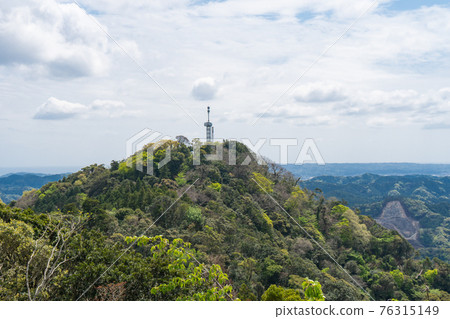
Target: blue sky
(72,96)
(403,5)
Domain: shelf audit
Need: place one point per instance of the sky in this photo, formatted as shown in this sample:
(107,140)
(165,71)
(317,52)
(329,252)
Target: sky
(367,80)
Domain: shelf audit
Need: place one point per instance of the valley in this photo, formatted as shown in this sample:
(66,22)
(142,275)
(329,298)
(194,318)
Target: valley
(417,206)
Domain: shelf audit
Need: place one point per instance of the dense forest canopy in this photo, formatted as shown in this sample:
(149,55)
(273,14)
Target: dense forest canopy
(425,199)
(201,232)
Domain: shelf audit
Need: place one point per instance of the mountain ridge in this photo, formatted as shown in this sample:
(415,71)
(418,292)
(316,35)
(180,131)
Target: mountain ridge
(307,170)
(252,221)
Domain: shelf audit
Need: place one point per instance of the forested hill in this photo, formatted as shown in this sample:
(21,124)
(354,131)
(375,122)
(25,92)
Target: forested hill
(310,170)
(424,202)
(12,186)
(212,232)
(367,188)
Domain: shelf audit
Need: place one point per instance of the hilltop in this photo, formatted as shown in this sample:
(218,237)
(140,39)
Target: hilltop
(254,234)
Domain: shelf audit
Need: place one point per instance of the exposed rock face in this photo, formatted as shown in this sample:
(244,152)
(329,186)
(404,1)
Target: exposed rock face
(394,217)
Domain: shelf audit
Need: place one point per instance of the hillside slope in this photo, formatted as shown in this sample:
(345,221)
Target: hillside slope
(423,200)
(264,232)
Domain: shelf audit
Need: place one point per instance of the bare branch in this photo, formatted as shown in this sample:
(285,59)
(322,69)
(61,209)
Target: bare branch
(57,257)
(35,251)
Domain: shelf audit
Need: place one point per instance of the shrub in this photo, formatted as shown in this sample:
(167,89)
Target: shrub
(216,186)
(194,214)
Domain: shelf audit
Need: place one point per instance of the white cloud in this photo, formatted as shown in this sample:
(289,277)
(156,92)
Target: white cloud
(445,93)
(111,109)
(55,109)
(204,89)
(382,121)
(376,108)
(437,126)
(303,114)
(386,71)
(319,92)
(58,38)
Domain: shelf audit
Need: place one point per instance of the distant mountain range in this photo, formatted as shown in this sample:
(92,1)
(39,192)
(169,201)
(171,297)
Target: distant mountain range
(417,206)
(13,185)
(307,171)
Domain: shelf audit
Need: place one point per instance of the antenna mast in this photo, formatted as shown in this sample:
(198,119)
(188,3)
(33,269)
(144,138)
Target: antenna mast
(209,129)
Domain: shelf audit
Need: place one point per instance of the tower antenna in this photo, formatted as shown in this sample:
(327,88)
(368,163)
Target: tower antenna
(209,129)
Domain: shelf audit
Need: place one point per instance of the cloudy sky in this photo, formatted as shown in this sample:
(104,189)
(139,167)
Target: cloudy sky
(369,81)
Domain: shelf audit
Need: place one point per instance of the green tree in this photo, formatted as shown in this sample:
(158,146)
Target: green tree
(264,184)
(31,267)
(313,290)
(430,276)
(276,293)
(398,277)
(185,280)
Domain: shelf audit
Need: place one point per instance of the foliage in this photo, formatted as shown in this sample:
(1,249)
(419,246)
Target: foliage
(276,293)
(16,246)
(267,219)
(264,183)
(311,289)
(237,234)
(111,292)
(30,265)
(430,275)
(398,277)
(180,179)
(216,186)
(13,186)
(194,214)
(185,280)
(424,198)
